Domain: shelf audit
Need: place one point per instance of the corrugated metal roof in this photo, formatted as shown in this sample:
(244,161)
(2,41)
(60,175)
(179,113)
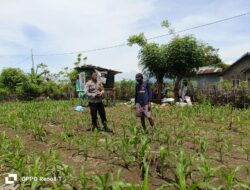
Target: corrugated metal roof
(97,68)
(208,70)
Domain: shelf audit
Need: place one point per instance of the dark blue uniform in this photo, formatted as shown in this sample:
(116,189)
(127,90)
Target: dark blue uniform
(143,94)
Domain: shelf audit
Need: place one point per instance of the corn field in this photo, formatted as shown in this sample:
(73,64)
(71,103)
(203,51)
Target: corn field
(198,147)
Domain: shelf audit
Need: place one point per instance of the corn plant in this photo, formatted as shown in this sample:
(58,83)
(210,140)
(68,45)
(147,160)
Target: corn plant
(145,167)
(96,139)
(16,161)
(102,182)
(183,172)
(83,180)
(124,152)
(40,133)
(246,150)
(83,146)
(206,170)
(232,181)
(182,135)
(224,147)
(162,160)
(134,140)
(203,145)
(110,145)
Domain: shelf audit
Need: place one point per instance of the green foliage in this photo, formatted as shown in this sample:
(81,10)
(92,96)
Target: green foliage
(11,78)
(80,60)
(183,55)
(177,59)
(243,85)
(4,94)
(226,85)
(139,39)
(52,90)
(29,91)
(212,57)
(199,97)
(37,75)
(165,149)
(125,89)
(15,84)
(165,23)
(151,57)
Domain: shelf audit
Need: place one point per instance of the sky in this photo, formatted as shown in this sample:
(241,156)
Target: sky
(58,26)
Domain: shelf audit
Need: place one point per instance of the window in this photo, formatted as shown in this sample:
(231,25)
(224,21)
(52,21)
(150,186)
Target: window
(236,83)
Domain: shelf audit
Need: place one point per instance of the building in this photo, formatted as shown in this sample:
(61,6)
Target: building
(107,76)
(238,71)
(206,77)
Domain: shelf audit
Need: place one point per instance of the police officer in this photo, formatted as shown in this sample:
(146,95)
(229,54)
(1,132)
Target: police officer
(143,97)
(95,93)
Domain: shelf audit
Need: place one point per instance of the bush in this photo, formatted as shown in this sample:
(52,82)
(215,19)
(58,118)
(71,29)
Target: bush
(4,94)
(125,89)
(226,85)
(199,97)
(67,90)
(52,90)
(29,91)
(11,78)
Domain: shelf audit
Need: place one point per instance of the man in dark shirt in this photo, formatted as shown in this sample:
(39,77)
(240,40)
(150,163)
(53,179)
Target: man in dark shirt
(143,97)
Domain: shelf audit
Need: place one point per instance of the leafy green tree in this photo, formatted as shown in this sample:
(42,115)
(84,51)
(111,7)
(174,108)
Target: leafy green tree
(151,59)
(177,59)
(38,74)
(183,55)
(52,90)
(212,57)
(11,78)
(29,91)
(80,60)
(33,86)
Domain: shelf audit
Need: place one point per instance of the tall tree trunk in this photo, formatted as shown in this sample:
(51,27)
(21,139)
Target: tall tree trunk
(176,88)
(159,88)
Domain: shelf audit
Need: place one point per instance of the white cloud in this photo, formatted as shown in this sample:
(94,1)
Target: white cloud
(74,25)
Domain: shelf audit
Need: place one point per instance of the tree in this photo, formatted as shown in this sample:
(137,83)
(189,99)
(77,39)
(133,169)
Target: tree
(38,74)
(183,55)
(11,78)
(177,59)
(80,60)
(212,57)
(150,59)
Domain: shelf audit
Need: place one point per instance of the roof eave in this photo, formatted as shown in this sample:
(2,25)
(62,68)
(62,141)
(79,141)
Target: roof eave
(237,61)
(97,67)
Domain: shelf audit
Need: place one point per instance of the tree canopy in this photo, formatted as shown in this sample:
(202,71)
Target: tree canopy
(183,55)
(177,59)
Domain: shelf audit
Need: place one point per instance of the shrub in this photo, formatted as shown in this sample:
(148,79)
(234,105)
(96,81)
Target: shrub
(199,97)
(52,90)
(11,78)
(226,85)
(125,89)
(29,91)
(4,94)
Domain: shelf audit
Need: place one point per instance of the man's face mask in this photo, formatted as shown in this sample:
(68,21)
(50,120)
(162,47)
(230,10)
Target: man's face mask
(138,79)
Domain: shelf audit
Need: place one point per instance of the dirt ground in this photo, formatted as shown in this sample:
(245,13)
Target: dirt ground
(100,161)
